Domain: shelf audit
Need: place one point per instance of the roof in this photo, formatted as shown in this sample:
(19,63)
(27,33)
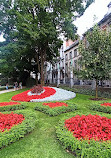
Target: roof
(109,4)
(106,17)
(71,46)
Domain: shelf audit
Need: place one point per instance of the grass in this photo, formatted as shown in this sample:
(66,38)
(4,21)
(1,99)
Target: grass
(42,141)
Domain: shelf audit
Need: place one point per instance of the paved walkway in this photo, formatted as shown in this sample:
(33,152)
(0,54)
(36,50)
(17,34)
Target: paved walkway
(5,91)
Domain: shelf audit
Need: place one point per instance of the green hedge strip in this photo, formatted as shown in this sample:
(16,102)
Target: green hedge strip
(55,111)
(18,131)
(12,107)
(105,109)
(82,149)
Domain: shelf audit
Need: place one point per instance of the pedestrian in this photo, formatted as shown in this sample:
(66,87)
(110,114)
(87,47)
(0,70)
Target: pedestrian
(16,85)
(20,85)
(7,86)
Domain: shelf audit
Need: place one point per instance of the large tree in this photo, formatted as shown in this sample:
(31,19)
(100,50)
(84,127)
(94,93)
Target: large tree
(95,52)
(39,23)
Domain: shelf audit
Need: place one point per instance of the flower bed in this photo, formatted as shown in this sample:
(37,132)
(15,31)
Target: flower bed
(10,106)
(25,97)
(7,121)
(56,104)
(19,130)
(106,104)
(101,108)
(57,110)
(90,127)
(76,136)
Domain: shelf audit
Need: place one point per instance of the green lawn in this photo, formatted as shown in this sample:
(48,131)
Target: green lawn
(42,141)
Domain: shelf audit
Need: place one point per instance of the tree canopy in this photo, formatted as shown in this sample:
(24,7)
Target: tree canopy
(38,24)
(95,52)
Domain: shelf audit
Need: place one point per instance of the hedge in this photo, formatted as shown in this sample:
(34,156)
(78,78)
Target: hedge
(105,109)
(55,111)
(84,148)
(88,92)
(18,131)
(12,107)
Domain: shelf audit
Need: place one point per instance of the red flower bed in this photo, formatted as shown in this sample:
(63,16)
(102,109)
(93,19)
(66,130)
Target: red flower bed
(25,97)
(53,105)
(106,104)
(9,103)
(7,121)
(90,127)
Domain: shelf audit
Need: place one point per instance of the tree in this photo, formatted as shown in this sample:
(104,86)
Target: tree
(39,24)
(95,52)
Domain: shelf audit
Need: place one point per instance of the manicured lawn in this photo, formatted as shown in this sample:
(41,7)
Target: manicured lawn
(42,141)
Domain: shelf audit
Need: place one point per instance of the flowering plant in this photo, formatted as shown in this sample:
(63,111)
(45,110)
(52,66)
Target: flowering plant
(82,146)
(7,121)
(11,106)
(17,131)
(89,127)
(9,103)
(25,97)
(37,89)
(60,108)
(106,104)
(56,104)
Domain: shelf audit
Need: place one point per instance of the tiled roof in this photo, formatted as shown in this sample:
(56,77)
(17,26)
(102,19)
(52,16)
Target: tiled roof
(73,45)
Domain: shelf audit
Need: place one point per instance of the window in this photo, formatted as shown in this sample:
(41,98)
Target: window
(75,64)
(66,68)
(66,57)
(75,53)
(70,55)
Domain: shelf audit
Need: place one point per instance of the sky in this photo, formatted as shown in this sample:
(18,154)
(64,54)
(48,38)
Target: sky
(98,9)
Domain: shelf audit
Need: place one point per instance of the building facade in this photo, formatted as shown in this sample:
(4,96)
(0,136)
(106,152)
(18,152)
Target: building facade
(62,71)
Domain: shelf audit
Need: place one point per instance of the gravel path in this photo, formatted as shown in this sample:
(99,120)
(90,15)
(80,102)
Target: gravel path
(60,94)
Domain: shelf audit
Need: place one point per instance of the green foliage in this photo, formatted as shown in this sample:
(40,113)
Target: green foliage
(57,110)
(95,51)
(30,82)
(37,26)
(106,109)
(88,92)
(18,131)
(84,148)
(12,107)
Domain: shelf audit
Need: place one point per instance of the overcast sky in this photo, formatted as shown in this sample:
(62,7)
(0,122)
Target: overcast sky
(98,8)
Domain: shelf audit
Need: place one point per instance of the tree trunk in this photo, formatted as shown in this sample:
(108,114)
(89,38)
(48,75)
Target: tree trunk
(96,88)
(36,79)
(42,65)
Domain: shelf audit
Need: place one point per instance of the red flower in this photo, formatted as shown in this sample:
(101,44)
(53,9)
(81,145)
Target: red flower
(7,121)
(9,103)
(56,104)
(25,97)
(106,104)
(90,127)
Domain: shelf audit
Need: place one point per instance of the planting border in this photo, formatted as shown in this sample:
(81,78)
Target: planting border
(12,107)
(18,131)
(82,148)
(105,109)
(57,110)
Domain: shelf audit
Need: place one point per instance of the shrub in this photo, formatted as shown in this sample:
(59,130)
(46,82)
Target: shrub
(88,92)
(12,107)
(18,131)
(55,111)
(82,148)
(105,109)
(37,89)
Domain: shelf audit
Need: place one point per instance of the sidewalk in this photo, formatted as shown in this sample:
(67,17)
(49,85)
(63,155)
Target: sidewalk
(5,91)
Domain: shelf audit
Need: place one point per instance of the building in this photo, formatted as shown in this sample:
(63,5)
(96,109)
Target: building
(62,71)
